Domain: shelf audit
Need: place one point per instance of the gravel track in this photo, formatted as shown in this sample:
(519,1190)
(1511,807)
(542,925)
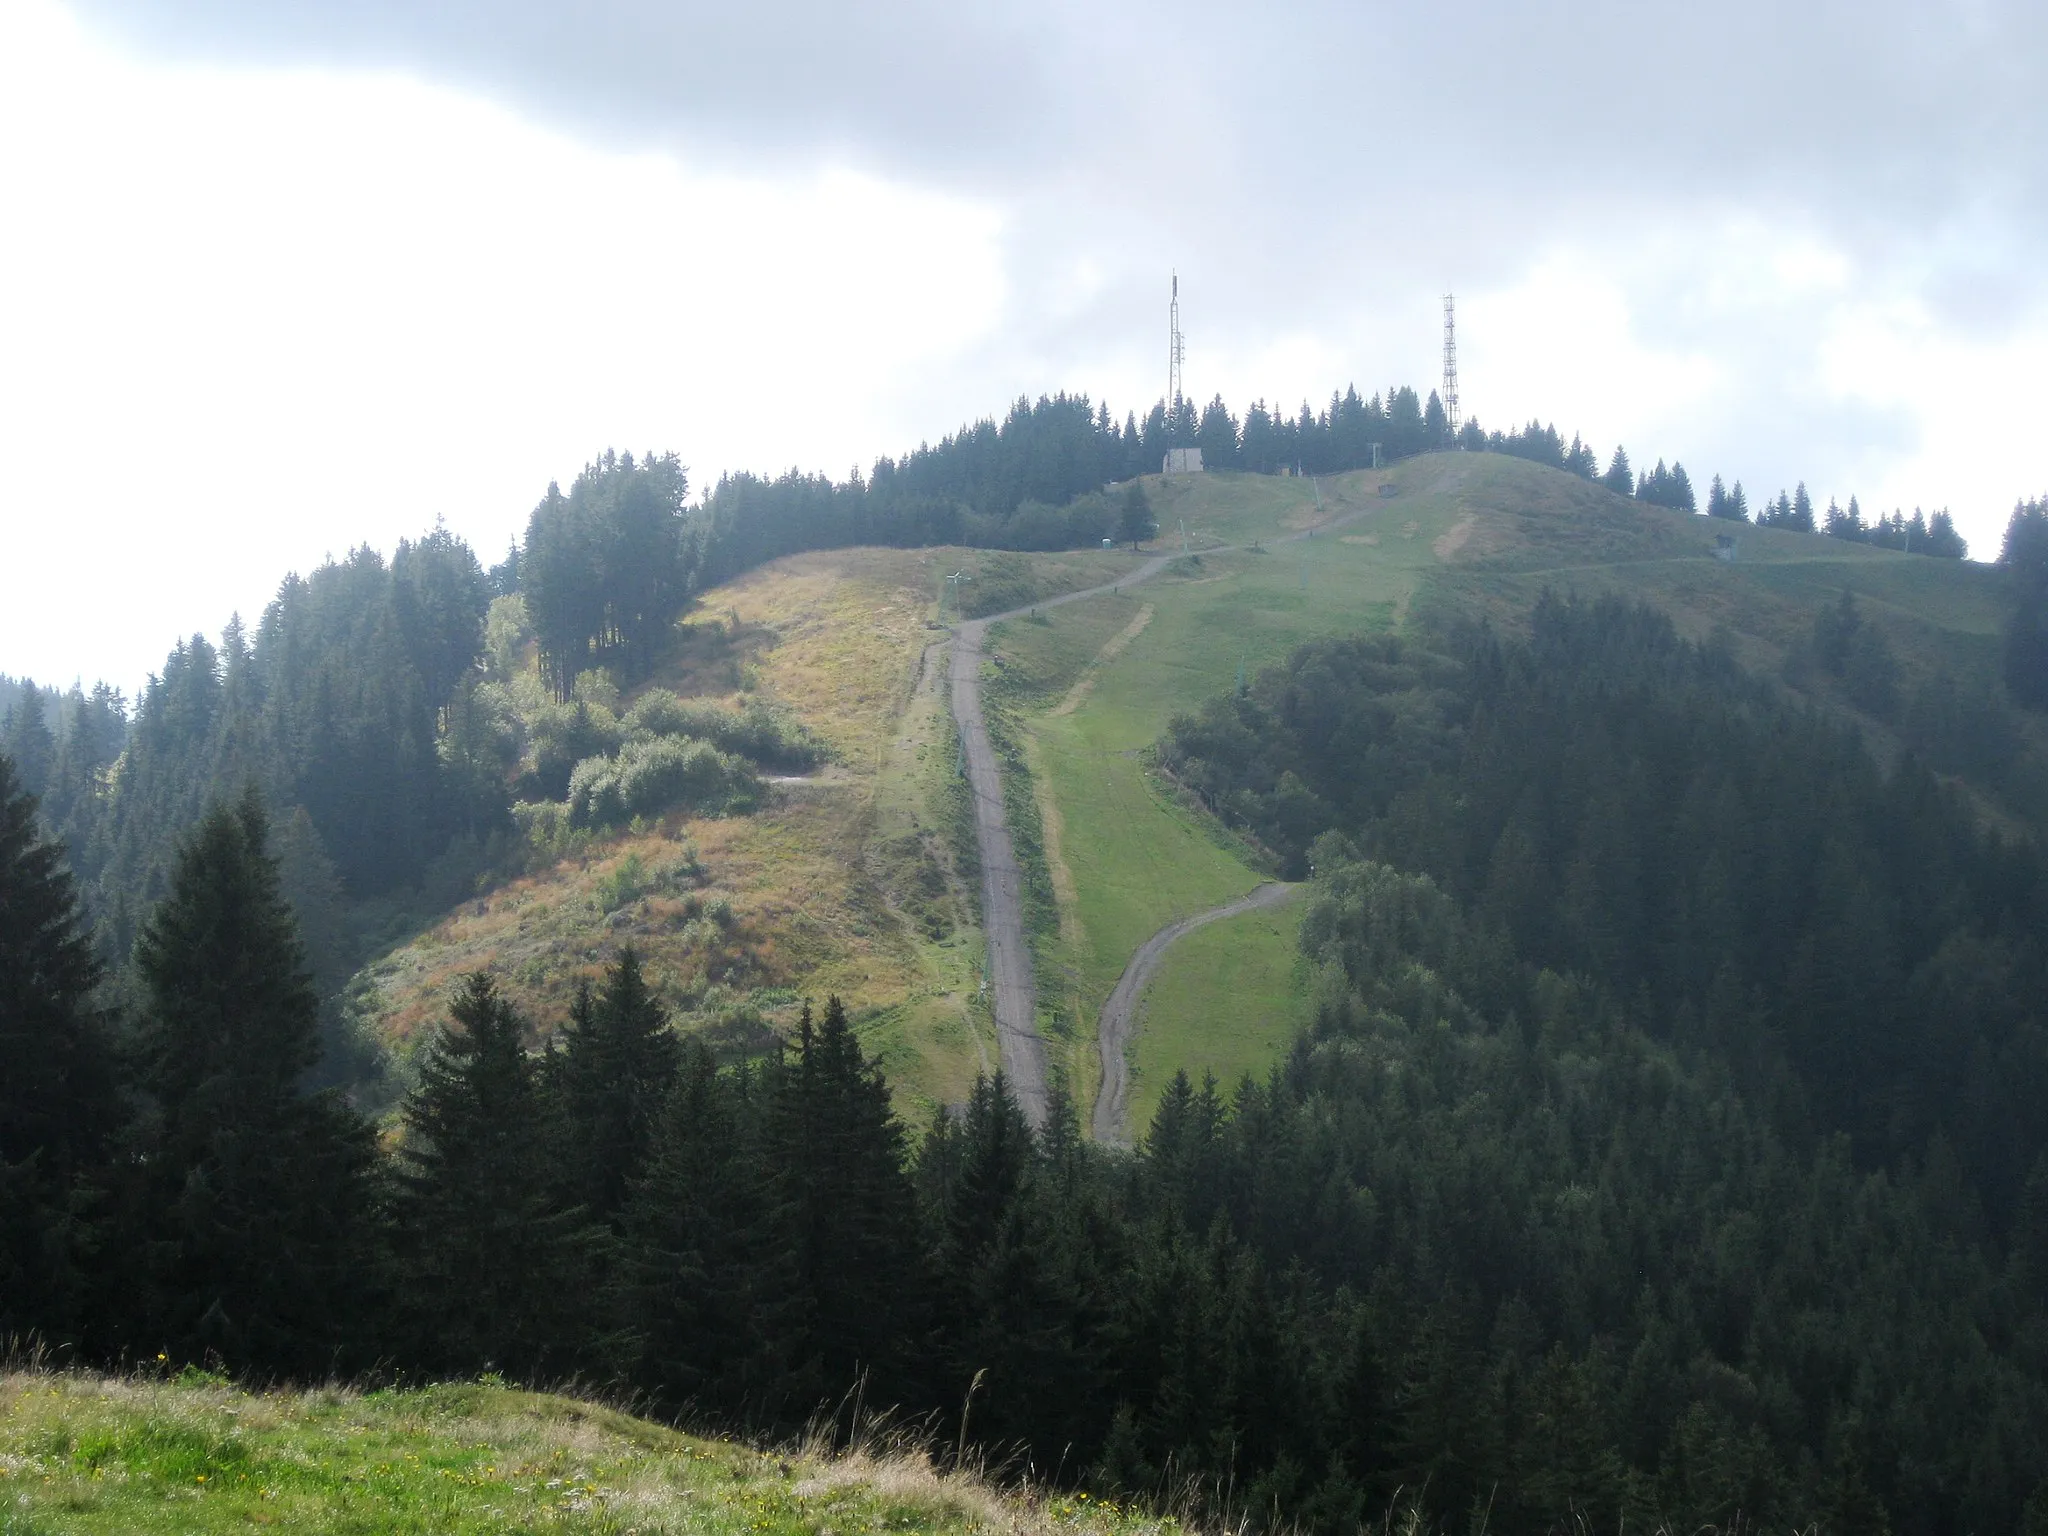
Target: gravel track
(1015,996)
(1113,1103)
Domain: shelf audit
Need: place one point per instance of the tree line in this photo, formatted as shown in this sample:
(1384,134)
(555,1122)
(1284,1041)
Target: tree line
(1666,1143)
(339,703)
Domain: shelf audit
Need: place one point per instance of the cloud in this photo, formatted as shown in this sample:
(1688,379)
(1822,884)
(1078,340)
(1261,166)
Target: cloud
(301,275)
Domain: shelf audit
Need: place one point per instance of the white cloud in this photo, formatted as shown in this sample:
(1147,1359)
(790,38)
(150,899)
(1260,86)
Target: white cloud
(248,318)
(254,311)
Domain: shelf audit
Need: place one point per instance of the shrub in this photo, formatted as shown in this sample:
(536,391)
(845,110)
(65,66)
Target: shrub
(757,731)
(563,736)
(658,774)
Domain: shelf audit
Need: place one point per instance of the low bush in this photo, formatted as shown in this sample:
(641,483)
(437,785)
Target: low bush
(656,774)
(756,731)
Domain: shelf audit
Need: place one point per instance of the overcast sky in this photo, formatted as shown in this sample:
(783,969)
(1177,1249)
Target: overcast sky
(276,279)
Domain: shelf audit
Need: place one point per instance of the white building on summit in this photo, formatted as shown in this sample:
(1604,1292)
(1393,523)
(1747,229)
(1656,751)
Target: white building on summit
(1182,461)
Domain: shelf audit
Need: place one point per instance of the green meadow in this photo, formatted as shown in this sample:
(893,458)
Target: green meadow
(1095,684)
(1227,1001)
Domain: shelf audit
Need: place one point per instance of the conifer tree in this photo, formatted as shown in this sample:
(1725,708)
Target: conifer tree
(707,1293)
(1800,515)
(1619,478)
(254,1207)
(608,1082)
(1134,521)
(493,1269)
(838,1147)
(1004,1312)
(58,1105)
(25,737)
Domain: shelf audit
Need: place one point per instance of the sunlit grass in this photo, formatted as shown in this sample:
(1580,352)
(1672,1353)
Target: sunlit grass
(83,1454)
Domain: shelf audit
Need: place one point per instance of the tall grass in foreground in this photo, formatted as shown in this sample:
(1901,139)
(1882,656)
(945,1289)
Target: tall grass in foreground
(192,1453)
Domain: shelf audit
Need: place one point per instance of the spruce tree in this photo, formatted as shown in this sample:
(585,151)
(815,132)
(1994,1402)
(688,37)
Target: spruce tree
(1007,1313)
(608,1082)
(58,1105)
(838,1148)
(493,1268)
(707,1293)
(25,737)
(255,1203)
(1619,478)
(1134,521)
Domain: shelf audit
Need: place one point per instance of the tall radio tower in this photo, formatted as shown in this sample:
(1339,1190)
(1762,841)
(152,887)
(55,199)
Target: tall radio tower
(1174,351)
(1451,366)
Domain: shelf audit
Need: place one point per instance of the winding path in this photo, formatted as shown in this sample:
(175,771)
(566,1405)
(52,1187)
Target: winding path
(1002,884)
(1113,1103)
(1002,887)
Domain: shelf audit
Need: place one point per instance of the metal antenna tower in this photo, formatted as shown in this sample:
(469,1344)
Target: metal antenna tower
(1451,366)
(1175,350)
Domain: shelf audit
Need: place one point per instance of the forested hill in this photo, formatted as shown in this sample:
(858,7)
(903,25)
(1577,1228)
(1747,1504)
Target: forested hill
(1685,1174)
(1669,1041)
(353,702)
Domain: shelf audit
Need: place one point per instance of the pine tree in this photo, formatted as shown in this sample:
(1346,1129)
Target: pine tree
(254,1207)
(1619,478)
(493,1268)
(608,1082)
(58,1106)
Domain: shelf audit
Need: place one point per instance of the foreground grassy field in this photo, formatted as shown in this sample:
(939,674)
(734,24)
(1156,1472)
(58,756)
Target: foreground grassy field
(92,1455)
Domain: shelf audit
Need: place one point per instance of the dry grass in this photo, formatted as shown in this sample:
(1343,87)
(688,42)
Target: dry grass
(846,883)
(838,640)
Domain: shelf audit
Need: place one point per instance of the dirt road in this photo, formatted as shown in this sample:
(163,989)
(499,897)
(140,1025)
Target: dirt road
(1113,1103)
(1014,994)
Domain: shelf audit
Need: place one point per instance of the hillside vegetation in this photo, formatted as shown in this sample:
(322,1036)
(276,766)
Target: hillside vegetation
(192,1454)
(842,879)
(1631,1072)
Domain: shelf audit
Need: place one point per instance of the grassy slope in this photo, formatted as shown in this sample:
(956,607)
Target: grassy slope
(862,884)
(1134,858)
(845,885)
(1465,535)
(88,1454)
(1227,1001)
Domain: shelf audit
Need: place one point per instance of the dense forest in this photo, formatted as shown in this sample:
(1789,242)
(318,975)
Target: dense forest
(1667,1142)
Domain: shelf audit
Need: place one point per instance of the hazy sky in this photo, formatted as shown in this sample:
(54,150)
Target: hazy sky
(278,279)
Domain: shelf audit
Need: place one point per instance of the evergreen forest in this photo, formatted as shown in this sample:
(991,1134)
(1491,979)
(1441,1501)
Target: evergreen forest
(1668,1142)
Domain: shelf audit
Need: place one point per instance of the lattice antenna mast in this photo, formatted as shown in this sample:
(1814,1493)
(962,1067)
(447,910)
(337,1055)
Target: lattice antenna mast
(1175,351)
(1450,392)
